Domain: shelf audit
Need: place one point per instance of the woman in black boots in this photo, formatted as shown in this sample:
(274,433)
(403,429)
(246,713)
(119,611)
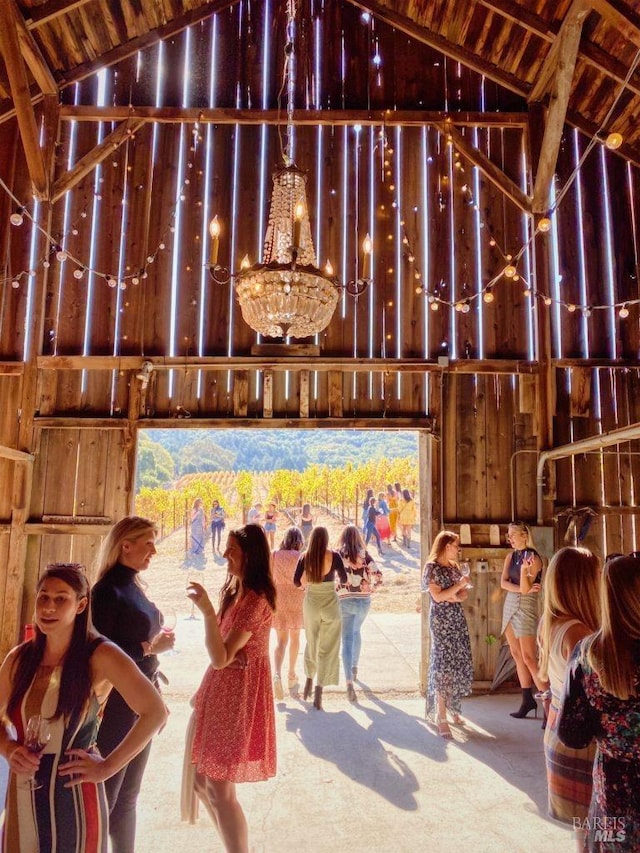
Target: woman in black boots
(521,578)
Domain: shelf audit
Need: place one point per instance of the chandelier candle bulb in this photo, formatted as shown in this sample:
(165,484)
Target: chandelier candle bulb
(297,225)
(366,259)
(214,231)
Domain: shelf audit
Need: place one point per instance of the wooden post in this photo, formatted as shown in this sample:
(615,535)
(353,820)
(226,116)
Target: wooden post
(427,481)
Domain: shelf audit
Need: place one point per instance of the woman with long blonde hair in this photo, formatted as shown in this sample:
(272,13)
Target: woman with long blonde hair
(601,702)
(122,612)
(521,580)
(450,663)
(320,612)
(571,612)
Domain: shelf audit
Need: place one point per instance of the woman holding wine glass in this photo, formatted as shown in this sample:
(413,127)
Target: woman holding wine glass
(51,691)
(450,663)
(124,614)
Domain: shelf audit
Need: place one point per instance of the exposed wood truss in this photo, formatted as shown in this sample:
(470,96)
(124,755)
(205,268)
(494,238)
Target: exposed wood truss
(560,64)
(69,179)
(18,81)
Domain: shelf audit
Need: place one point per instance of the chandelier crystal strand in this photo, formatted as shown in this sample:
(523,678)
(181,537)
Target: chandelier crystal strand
(287,295)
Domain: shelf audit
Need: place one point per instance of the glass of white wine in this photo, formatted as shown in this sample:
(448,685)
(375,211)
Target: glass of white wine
(465,571)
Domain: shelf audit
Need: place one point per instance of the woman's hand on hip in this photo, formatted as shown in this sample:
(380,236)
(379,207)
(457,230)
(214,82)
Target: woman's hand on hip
(83,766)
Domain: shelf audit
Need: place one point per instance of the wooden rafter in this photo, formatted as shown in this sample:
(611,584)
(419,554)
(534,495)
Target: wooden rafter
(627,21)
(18,80)
(33,56)
(565,57)
(497,177)
(41,15)
(90,160)
(123,51)
(448,48)
(188,115)
(562,44)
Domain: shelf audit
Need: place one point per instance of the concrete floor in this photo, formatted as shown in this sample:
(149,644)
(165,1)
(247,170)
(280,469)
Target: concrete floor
(371,776)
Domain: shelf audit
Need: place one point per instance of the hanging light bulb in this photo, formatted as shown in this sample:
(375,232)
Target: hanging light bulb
(623,313)
(613,141)
(544,225)
(61,255)
(78,273)
(488,295)
(17,217)
(509,271)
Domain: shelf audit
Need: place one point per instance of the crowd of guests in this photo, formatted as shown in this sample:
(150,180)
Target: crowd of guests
(89,680)
(582,658)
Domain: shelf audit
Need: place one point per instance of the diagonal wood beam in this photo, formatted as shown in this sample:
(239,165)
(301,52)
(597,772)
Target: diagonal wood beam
(454,51)
(50,11)
(497,177)
(90,160)
(18,81)
(561,50)
(568,42)
(627,22)
(123,51)
(33,56)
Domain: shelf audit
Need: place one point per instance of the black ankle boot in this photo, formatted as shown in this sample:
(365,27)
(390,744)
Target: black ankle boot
(308,685)
(528,704)
(317,698)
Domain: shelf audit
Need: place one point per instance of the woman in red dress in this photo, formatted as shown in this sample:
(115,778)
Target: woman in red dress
(234,727)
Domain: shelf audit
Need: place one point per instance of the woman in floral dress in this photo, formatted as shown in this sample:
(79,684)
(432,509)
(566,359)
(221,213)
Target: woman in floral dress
(450,664)
(233,735)
(601,702)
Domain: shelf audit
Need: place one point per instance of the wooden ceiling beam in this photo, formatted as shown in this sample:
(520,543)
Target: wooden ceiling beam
(177,115)
(17,72)
(124,51)
(497,177)
(71,178)
(32,55)
(568,42)
(444,46)
(625,21)
(591,54)
(41,15)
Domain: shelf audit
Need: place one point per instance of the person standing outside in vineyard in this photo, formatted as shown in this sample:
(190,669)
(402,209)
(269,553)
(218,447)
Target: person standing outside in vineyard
(270,519)
(287,620)
(254,516)
(407,515)
(217,526)
(392,501)
(306,522)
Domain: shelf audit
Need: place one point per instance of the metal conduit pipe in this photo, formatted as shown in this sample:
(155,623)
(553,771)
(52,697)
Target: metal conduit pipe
(615,436)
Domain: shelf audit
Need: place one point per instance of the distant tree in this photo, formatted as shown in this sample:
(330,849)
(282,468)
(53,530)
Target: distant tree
(205,454)
(155,464)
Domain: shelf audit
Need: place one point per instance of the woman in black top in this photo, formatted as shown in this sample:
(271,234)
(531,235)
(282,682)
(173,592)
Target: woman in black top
(122,612)
(320,612)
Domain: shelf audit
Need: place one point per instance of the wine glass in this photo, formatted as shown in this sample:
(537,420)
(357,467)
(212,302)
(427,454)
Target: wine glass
(37,735)
(169,621)
(465,571)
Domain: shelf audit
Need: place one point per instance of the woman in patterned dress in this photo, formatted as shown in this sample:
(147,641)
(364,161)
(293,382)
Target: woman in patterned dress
(601,702)
(571,612)
(65,674)
(233,724)
(287,620)
(450,664)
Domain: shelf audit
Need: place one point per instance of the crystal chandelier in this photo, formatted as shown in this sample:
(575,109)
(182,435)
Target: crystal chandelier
(287,295)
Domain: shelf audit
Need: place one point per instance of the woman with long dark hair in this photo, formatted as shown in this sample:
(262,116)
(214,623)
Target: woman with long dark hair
(354,597)
(233,732)
(601,703)
(123,613)
(321,612)
(571,612)
(63,674)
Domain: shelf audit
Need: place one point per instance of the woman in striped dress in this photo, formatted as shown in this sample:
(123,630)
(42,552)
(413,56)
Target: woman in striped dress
(571,612)
(55,799)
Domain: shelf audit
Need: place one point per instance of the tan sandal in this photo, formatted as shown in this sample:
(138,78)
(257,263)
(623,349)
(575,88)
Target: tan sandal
(443,729)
